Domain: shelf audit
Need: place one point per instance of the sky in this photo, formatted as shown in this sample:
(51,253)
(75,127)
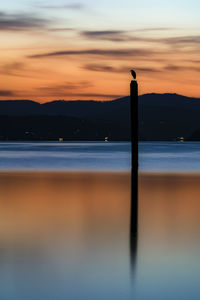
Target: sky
(85,49)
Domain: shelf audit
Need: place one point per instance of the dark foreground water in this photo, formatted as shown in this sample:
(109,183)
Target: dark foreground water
(153,156)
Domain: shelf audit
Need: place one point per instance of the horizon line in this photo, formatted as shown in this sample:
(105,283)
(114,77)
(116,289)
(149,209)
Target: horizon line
(89,100)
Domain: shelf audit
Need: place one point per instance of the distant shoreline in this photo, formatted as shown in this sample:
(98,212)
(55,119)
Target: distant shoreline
(74,173)
(162,117)
(95,140)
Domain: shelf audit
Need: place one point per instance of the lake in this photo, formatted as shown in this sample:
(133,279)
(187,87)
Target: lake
(65,222)
(153,156)
(65,156)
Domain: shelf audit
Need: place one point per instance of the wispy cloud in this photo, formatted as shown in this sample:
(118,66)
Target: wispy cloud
(17,22)
(73,6)
(106,53)
(123,69)
(181,68)
(65,87)
(97,95)
(155,29)
(111,35)
(133,36)
(13,69)
(22,69)
(71,89)
(7,93)
(58,29)
(101,68)
(193,40)
(148,70)
(116,36)
(123,35)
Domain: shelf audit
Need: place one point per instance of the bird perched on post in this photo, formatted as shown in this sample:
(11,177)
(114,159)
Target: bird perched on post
(133,73)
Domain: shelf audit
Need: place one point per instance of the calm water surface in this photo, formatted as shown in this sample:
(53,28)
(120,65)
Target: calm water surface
(65,156)
(153,156)
(66,235)
(170,156)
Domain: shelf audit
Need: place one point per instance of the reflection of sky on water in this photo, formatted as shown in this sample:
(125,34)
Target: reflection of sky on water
(66,235)
(153,156)
(168,265)
(169,156)
(65,155)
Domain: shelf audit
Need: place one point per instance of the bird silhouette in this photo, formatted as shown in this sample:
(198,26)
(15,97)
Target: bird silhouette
(133,73)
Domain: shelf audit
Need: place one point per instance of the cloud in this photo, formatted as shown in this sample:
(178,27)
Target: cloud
(123,69)
(65,87)
(21,69)
(155,29)
(73,6)
(13,69)
(124,36)
(116,36)
(194,61)
(98,95)
(60,29)
(17,22)
(6,93)
(102,33)
(111,35)
(71,89)
(189,43)
(100,68)
(147,70)
(106,53)
(133,36)
(181,68)
(183,40)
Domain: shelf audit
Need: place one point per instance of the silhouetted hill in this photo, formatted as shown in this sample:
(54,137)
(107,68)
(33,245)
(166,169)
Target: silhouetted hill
(78,109)
(168,116)
(161,117)
(71,120)
(19,108)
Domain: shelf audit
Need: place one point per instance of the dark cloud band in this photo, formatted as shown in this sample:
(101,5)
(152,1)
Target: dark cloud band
(16,22)
(73,6)
(98,52)
(123,69)
(6,93)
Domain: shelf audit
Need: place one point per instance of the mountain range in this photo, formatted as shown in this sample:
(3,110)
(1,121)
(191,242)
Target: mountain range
(161,117)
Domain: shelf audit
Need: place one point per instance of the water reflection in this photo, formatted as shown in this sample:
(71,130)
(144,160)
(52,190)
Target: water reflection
(168,260)
(134,228)
(133,255)
(64,235)
(67,235)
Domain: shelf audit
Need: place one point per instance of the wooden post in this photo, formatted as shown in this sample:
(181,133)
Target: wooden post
(134,169)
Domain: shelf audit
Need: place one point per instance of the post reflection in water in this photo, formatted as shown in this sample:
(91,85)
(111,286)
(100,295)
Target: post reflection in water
(134,171)
(134,232)
(133,255)
(133,265)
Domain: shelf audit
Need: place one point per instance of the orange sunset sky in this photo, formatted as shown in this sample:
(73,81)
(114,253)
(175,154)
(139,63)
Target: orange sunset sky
(84,50)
